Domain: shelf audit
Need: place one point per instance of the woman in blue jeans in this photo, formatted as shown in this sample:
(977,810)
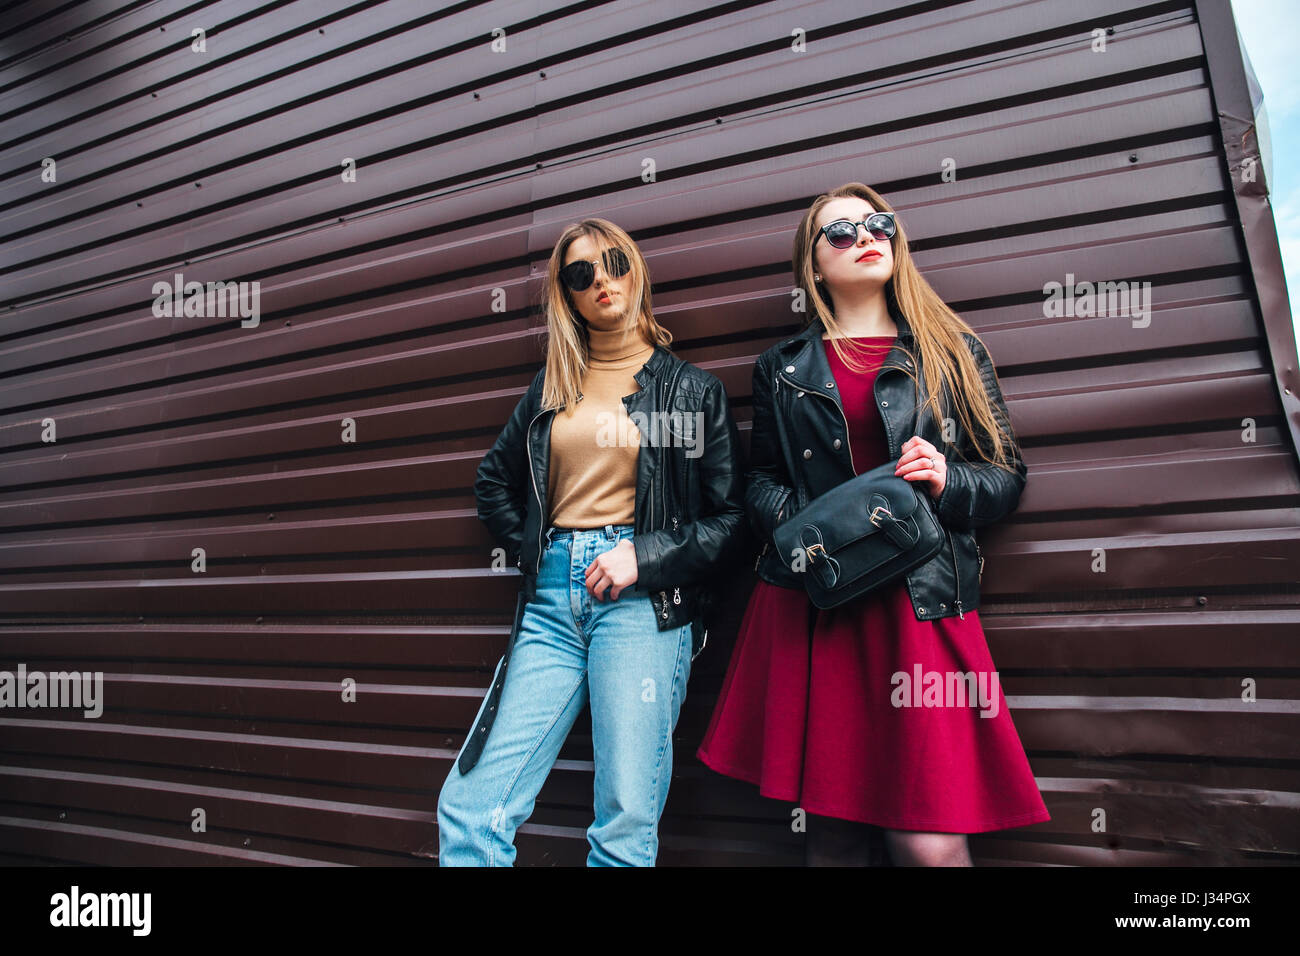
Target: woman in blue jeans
(618,488)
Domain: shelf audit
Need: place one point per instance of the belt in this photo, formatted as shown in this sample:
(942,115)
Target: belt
(609,530)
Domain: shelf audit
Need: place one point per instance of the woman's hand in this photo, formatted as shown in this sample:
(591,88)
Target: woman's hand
(614,569)
(921,461)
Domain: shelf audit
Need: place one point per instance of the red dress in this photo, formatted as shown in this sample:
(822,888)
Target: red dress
(805,710)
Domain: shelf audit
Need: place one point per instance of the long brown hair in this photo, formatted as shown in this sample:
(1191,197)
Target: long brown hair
(949,368)
(566,341)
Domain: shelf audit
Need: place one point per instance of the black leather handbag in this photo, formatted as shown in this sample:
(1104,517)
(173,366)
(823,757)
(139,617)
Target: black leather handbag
(859,536)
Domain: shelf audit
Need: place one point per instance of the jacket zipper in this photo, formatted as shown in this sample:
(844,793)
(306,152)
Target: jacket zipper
(664,389)
(956,575)
(541,505)
(981,557)
(677,592)
(663,595)
(651,493)
(665,393)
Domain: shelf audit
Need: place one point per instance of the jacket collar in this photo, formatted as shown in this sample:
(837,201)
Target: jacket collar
(803,357)
(653,367)
(646,400)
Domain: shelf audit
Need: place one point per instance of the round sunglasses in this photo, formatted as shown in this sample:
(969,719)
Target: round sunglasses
(579,275)
(843,233)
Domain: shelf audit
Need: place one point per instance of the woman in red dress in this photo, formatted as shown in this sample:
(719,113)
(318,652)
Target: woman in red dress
(885,711)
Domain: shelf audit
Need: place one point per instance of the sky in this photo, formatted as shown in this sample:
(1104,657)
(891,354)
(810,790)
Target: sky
(1268,29)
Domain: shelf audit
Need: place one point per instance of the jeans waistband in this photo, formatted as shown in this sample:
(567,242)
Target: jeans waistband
(610,531)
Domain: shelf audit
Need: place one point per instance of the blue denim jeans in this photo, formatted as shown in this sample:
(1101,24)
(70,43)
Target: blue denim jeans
(570,650)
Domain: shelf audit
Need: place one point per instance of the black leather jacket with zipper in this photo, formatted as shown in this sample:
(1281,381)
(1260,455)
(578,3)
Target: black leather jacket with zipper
(689,512)
(799,449)
(679,541)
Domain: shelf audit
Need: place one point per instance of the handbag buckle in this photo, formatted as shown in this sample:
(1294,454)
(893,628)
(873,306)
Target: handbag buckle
(875,513)
(812,548)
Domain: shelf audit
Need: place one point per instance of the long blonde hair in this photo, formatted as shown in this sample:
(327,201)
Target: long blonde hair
(567,352)
(949,368)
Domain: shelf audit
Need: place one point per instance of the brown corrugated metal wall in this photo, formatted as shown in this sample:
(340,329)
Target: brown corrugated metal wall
(333,557)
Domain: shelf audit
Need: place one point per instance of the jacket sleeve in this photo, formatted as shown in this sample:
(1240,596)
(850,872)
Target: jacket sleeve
(503,481)
(767,485)
(716,540)
(977,493)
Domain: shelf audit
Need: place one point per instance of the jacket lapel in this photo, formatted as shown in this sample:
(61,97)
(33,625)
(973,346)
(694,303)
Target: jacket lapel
(804,363)
(646,402)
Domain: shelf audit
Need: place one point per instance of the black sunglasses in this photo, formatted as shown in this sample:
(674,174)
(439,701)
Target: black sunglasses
(843,233)
(579,275)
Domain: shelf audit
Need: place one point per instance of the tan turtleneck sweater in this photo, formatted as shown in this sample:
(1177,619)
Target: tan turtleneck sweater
(591,481)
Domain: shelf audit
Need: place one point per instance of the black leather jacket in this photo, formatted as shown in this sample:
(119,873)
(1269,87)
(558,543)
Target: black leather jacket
(793,380)
(680,542)
(689,511)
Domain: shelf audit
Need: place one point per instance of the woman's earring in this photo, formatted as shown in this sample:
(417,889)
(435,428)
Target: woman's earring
(816,278)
